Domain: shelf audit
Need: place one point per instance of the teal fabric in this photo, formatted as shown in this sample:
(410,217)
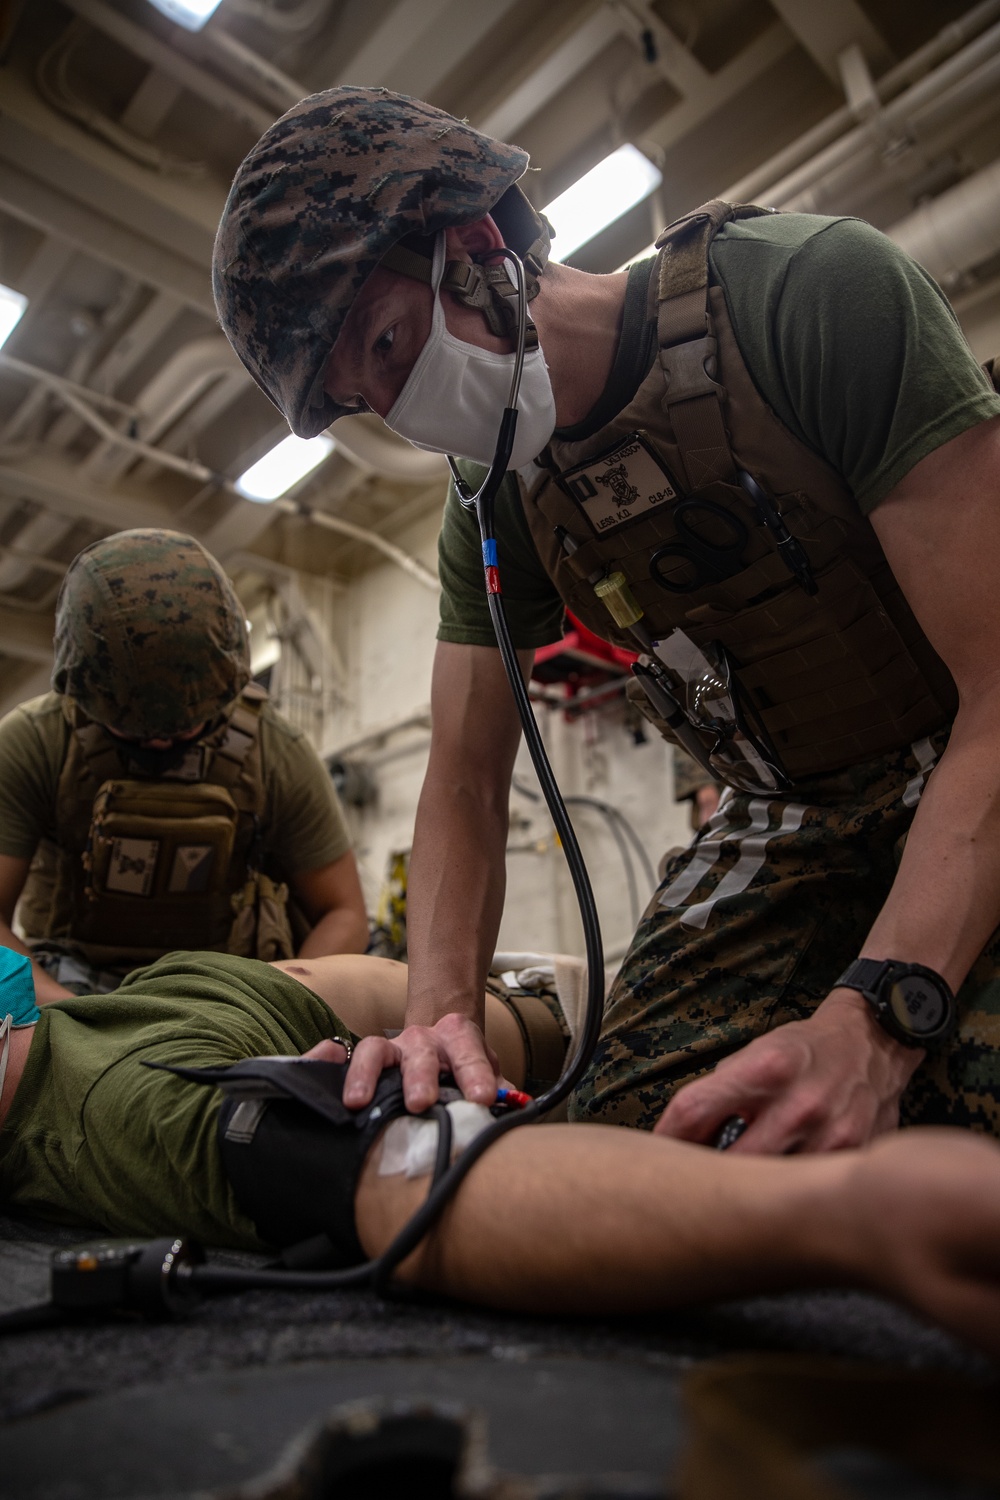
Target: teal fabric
(17,988)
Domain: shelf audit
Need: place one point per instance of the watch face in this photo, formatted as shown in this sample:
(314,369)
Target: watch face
(917,1004)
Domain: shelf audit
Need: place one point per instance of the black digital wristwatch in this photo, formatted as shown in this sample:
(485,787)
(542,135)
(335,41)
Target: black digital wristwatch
(912,1003)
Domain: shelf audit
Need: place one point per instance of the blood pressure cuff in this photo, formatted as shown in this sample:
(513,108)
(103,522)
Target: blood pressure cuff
(293,1151)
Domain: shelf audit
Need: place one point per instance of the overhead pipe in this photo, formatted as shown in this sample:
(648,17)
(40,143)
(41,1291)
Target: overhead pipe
(172,391)
(388,549)
(60,382)
(974,71)
(939,118)
(251,70)
(957,230)
(770,179)
(192,469)
(179,382)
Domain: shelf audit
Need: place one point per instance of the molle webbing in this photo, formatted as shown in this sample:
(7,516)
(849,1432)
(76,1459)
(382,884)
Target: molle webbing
(219,786)
(688,355)
(837,677)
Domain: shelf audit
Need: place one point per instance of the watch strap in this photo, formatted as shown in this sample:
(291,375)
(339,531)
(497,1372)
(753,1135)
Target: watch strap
(864,974)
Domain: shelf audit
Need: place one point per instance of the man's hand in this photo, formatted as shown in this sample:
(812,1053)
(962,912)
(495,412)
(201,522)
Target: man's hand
(824,1084)
(453,1045)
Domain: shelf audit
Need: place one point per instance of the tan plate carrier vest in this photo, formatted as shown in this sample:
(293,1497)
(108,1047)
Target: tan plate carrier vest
(836,678)
(145,865)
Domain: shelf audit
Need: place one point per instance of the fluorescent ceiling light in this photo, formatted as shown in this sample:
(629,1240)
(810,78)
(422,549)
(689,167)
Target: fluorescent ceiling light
(288,462)
(600,197)
(191,14)
(12,305)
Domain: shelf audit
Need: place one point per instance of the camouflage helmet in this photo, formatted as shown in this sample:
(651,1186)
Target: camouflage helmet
(325,193)
(150,636)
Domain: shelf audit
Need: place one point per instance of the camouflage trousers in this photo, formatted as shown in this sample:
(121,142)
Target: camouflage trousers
(751,926)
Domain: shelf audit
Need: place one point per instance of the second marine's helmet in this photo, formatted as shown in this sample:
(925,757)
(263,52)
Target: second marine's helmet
(151,639)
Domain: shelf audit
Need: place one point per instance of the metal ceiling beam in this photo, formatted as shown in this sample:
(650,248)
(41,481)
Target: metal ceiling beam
(149,47)
(47,208)
(386,47)
(81,189)
(673,61)
(442,46)
(56,484)
(552,75)
(825,30)
(763,52)
(239,528)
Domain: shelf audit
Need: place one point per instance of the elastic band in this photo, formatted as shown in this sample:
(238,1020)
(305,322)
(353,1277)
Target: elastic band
(5,1025)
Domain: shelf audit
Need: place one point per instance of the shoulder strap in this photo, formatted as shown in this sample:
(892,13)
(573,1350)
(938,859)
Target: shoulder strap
(100,752)
(232,743)
(687,343)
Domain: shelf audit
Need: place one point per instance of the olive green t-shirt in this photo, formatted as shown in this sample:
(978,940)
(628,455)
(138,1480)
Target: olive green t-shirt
(95,1138)
(302,828)
(847,339)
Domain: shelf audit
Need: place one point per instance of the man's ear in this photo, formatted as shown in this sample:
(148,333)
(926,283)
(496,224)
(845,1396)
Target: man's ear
(463,241)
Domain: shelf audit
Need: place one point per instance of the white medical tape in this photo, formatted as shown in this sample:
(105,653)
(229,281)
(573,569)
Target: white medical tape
(409,1145)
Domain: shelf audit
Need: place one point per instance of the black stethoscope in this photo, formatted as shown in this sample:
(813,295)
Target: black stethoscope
(481,502)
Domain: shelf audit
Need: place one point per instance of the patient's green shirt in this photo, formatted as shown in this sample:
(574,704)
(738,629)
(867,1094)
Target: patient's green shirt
(95,1138)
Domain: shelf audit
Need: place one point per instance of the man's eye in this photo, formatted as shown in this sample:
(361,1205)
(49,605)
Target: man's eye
(383,344)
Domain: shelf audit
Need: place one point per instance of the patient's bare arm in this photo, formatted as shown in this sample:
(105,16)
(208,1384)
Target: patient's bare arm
(369,996)
(585,1218)
(593,1218)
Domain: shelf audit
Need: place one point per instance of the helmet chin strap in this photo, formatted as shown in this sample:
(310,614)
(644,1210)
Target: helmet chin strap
(488,289)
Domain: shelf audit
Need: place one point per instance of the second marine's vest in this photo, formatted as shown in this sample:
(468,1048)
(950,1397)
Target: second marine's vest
(836,675)
(142,865)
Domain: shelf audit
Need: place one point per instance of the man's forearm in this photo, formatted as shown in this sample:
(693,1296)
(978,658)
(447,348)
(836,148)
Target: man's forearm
(945,900)
(342,930)
(454,900)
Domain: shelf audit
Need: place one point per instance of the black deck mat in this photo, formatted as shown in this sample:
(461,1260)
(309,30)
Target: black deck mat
(80,1390)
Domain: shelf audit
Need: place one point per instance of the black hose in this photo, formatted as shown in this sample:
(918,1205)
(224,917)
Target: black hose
(377,1272)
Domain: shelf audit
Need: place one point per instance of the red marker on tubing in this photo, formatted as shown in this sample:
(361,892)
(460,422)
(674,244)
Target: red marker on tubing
(514,1098)
(490,564)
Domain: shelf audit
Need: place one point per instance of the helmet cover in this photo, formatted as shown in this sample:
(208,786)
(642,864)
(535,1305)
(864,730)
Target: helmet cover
(151,639)
(326,191)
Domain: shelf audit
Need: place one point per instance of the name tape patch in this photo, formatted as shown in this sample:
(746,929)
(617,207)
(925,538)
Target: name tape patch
(620,484)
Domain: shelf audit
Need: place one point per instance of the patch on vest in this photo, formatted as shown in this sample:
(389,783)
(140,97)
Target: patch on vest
(620,484)
(132,866)
(191,868)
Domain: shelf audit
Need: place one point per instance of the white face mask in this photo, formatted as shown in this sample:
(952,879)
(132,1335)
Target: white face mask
(456,393)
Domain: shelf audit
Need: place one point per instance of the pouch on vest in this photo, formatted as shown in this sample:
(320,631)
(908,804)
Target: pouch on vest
(164,844)
(723,525)
(262,926)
